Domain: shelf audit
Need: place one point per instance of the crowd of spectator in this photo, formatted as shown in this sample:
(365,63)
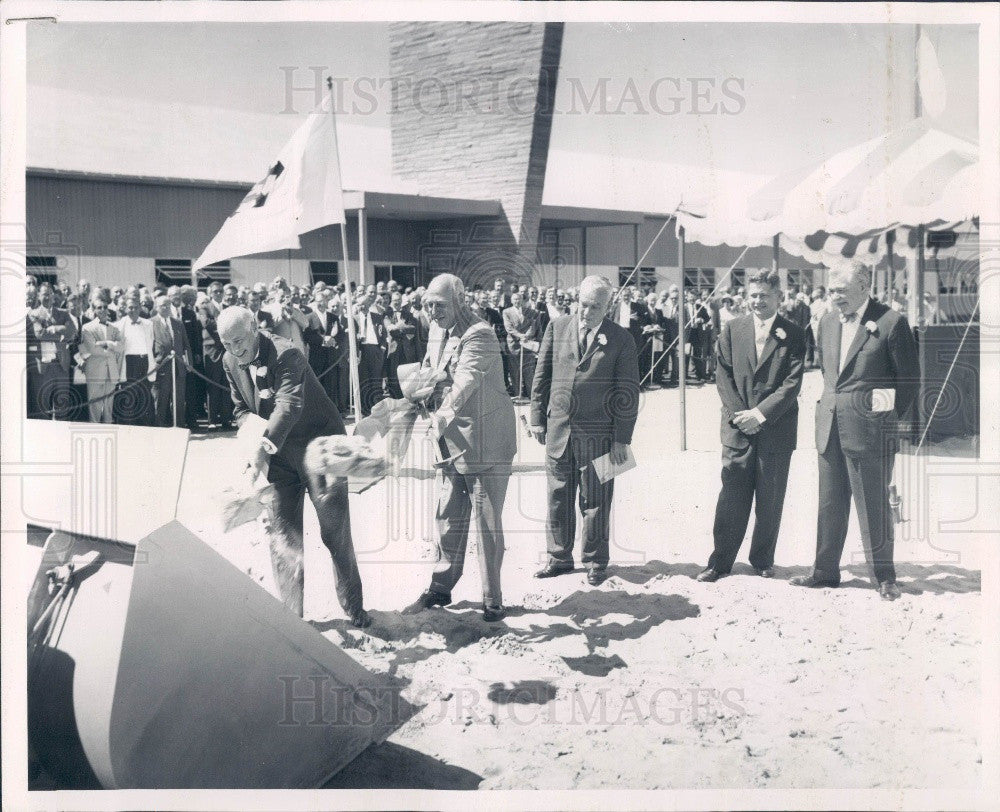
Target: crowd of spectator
(152,356)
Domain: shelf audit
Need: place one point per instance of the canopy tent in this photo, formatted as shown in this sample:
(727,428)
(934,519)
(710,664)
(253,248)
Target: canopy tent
(915,176)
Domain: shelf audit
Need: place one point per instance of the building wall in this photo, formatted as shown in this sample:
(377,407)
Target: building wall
(473,118)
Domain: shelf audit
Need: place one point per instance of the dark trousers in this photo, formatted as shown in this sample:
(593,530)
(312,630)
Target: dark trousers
(810,346)
(287,473)
(569,476)
(165,396)
(749,478)
(53,391)
(392,375)
(506,358)
(220,399)
(371,371)
(134,406)
(194,390)
(523,372)
(867,478)
(462,496)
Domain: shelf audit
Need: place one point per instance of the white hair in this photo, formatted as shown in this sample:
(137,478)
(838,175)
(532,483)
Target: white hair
(596,283)
(236,317)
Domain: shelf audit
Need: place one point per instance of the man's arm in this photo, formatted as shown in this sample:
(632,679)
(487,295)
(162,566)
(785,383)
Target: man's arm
(906,365)
(90,345)
(725,380)
(541,387)
(624,400)
(288,397)
(480,350)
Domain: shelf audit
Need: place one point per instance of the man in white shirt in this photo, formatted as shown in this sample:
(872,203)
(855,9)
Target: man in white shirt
(138,370)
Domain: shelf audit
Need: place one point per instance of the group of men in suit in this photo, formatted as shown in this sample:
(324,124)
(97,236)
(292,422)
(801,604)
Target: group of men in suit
(868,358)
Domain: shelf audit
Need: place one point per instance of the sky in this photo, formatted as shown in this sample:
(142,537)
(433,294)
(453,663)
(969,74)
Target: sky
(755,98)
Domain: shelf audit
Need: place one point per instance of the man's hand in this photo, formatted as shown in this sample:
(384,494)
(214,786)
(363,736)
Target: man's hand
(619,453)
(258,463)
(538,432)
(746,422)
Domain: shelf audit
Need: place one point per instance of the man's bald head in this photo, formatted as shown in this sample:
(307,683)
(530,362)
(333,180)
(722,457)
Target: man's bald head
(238,331)
(446,304)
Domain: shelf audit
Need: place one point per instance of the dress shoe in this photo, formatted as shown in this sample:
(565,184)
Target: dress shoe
(552,570)
(596,576)
(765,572)
(708,576)
(810,581)
(888,590)
(361,619)
(428,600)
(491,614)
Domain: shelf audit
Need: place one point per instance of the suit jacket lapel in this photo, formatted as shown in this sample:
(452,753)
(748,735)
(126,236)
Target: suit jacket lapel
(859,339)
(749,341)
(575,335)
(594,343)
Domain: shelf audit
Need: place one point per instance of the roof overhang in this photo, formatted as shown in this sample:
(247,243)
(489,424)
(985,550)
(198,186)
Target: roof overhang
(577,216)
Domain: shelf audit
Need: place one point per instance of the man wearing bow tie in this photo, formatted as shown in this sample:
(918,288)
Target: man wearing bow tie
(759,375)
(268,376)
(584,404)
(871,376)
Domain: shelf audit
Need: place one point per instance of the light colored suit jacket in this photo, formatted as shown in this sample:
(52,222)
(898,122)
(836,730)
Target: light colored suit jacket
(473,397)
(520,326)
(147,326)
(101,363)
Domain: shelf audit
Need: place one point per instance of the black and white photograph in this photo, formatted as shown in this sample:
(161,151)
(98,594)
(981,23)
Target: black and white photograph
(500,405)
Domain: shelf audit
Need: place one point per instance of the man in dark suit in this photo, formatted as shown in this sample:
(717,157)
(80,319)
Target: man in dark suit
(220,405)
(49,364)
(328,349)
(871,376)
(475,426)
(169,336)
(759,376)
(584,404)
(373,349)
(268,376)
(195,386)
(264,318)
(402,330)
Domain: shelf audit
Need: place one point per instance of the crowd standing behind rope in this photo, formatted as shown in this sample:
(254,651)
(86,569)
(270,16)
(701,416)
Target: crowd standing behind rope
(121,354)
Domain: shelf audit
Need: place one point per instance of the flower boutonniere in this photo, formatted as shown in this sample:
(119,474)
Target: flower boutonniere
(871,327)
(780,333)
(602,339)
(265,393)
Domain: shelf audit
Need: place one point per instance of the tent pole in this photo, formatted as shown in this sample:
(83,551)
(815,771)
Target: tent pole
(918,289)
(681,343)
(775,251)
(890,273)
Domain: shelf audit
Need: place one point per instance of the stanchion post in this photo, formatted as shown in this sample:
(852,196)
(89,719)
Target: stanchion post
(681,344)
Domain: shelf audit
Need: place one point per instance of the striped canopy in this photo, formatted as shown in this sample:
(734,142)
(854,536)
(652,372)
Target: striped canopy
(916,175)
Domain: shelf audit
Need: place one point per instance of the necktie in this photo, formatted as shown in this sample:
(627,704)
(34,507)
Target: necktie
(444,343)
(848,318)
(584,339)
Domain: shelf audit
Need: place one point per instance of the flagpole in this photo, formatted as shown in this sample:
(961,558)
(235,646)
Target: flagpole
(352,338)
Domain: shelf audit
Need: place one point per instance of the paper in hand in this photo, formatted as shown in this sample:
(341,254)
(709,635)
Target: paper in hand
(606,469)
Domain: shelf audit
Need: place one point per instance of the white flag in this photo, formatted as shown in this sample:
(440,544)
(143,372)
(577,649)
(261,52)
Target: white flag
(930,79)
(300,192)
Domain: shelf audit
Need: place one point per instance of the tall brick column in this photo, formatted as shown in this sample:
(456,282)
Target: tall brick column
(472,117)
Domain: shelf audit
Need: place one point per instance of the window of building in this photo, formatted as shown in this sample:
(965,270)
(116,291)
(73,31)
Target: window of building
(43,269)
(404,274)
(698,278)
(800,277)
(737,279)
(323,271)
(644,279)
(178,272)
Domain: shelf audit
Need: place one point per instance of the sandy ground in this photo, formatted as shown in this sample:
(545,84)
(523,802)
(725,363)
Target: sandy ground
(653,680)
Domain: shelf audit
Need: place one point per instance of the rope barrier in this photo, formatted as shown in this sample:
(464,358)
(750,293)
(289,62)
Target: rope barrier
(50,413)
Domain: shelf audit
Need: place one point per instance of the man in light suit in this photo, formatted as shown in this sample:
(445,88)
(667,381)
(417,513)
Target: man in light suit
(170,335)
(871,376)
(269,377)
(584,404)
(759,375)
(475,425)
(49,368)
(101,347)
(521,325)
(138,368)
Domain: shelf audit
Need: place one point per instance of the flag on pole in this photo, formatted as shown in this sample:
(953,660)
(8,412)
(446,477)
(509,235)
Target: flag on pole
(300,192)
